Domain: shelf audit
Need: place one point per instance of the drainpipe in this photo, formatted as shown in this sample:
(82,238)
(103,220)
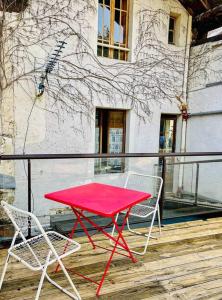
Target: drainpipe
(185,102)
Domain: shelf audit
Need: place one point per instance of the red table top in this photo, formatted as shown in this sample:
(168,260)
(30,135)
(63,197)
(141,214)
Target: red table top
(101,199)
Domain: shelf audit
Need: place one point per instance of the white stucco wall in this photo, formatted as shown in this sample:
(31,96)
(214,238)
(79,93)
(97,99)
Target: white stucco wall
(204,131)
(40,131)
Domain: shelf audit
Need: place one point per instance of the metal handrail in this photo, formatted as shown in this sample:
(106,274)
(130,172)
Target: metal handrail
(111,155)
(195,162)
(163,156)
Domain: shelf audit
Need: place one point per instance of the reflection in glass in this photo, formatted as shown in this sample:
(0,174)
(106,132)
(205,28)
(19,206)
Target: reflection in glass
(167,128)
(117,26)
(100,22)
(113,28)
(124,5)
(106,28)
(123,28)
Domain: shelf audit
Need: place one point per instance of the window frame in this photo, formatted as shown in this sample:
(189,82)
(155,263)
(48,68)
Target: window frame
(174,118)
(101,164)
(111,43)
(172,30)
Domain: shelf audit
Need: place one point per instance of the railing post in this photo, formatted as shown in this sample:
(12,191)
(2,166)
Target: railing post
(196,185)
(29,196)
(163,188)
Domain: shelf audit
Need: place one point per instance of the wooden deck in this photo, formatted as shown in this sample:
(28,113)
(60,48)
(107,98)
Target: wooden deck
(184,263)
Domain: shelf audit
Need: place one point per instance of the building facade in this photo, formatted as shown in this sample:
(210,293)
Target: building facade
(122,77)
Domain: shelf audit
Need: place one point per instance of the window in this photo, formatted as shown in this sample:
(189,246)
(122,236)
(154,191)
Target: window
(167,133)
(110,138)
(13,6)
(113,18)
(172,33)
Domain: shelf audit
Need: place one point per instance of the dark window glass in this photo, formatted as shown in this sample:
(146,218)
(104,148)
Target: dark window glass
(171,37)
(105,52)
(122,39)
(117,26)
(99,51)
(171,33)
(172,23)
(123,55)
(117,4)
(124,4)
(116,54)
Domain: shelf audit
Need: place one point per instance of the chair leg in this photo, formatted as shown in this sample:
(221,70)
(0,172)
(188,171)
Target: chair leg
(149,234)
(4,270)
(43,276)
(159,221)
(148,238)
(7,259)
(77,297)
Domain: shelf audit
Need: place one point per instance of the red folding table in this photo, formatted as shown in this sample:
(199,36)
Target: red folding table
(102,200)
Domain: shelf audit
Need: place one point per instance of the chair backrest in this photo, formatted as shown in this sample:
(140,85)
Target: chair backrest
(22,220)
(145,183)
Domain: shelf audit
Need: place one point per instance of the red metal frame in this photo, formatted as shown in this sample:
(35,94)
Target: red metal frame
(80,215)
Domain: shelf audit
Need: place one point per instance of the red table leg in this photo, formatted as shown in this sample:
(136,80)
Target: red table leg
(76,212)
(100,229)
(119,230)
(120,236)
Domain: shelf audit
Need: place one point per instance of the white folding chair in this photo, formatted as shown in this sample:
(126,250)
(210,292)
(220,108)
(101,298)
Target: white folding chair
(149,208)
(38,252)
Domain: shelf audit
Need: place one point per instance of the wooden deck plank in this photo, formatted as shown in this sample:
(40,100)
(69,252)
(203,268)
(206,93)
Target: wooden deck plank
(184,263)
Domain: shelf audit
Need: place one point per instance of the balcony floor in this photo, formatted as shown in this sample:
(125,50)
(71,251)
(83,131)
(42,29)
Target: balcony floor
(184,263)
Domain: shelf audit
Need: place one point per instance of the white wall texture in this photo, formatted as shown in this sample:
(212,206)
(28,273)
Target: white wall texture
(204,131)
(40,131)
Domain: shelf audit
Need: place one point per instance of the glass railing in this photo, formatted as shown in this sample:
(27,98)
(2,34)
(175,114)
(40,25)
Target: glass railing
(192,182)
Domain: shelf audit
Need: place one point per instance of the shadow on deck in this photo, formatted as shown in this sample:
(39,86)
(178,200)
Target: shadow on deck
(184,263)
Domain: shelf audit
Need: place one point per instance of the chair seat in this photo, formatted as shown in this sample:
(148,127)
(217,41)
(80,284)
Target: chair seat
(142,211)
(23,253)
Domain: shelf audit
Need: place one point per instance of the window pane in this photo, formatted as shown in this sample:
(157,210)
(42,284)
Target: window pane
(117,4)
(99,51)
(124,4)
(106,29)
(170,37)
(116,54)
(97,132)
(172,23)
(112,19)
(167,129)
(100,22)
(123,55)
(116,125)
(123,28)
(117,26)
(105,52)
